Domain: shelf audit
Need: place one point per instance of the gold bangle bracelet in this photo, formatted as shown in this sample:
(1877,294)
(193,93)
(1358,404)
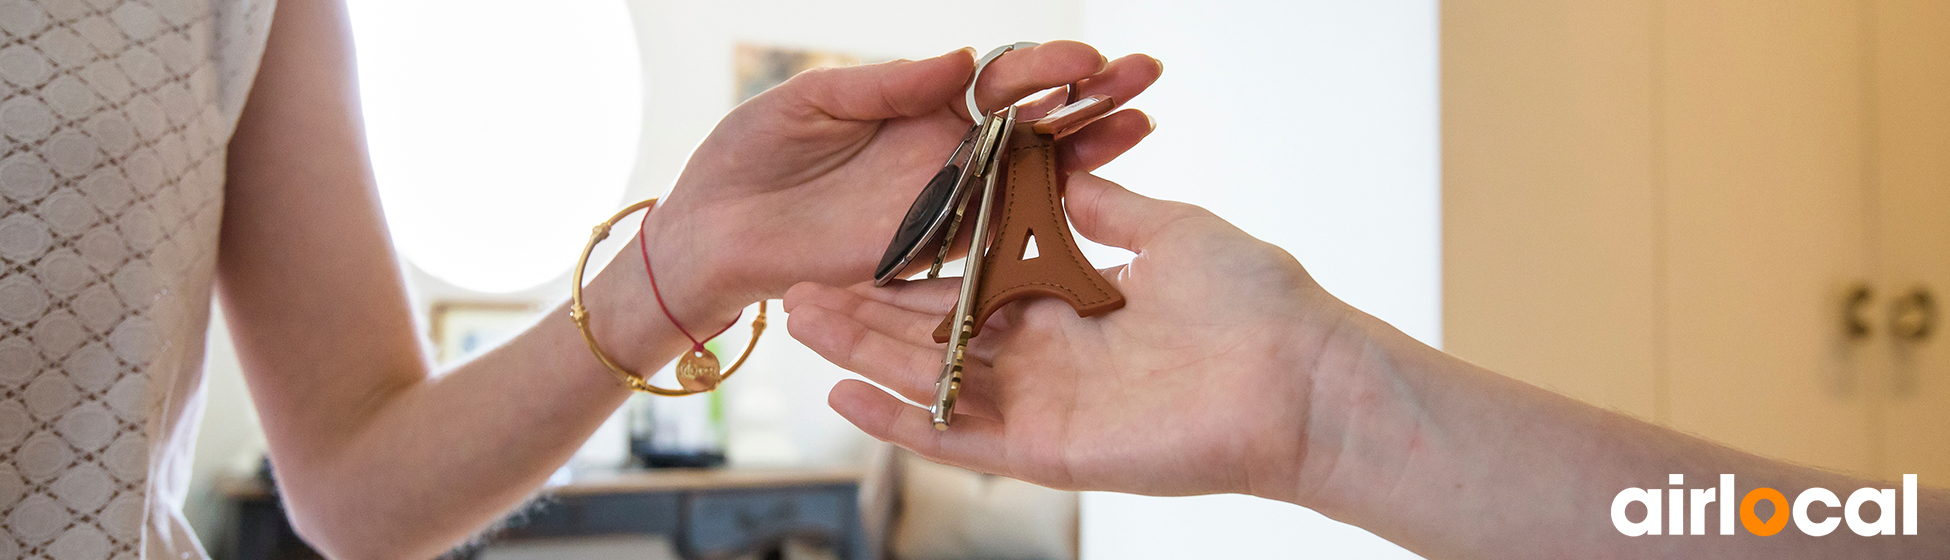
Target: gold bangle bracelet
(580,314)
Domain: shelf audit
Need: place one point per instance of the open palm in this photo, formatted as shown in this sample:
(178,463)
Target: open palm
(1173,394)
(807,181)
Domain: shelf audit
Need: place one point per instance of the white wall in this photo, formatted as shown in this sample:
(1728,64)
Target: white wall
(1312,125)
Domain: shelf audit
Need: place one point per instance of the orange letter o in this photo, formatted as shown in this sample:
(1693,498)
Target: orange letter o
(1752,522)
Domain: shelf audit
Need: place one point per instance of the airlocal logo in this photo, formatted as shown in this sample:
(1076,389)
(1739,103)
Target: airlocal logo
(1814,523)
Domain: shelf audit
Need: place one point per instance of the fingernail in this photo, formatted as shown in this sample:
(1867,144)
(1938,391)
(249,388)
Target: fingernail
(1152,120)
(1160,63)
(969,50)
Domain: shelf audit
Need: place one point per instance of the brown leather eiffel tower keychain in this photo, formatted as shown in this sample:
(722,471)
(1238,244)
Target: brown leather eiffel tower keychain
(1021,245)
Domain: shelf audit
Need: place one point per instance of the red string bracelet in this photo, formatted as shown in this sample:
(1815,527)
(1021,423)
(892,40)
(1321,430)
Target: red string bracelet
(643,245)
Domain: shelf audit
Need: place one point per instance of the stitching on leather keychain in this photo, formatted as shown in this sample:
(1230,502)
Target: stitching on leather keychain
(1056,209)
(1057,286)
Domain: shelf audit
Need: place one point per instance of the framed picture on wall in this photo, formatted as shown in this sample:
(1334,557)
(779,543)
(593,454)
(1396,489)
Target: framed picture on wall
(757,67)
(461,329)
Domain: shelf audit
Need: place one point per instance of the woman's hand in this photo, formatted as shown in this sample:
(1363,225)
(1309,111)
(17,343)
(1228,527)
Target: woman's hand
(1200,384)
(808,181)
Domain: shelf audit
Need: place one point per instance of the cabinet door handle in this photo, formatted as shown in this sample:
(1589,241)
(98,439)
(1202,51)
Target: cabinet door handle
(1853,325)
(1912,317)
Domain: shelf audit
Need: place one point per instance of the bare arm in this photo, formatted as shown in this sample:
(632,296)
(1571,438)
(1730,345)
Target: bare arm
(1231,370)
(376,456)
(1459,462)
(380,457)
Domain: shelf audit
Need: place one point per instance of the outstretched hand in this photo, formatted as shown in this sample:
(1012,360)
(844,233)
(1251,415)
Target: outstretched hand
(808,180)
(1199,384)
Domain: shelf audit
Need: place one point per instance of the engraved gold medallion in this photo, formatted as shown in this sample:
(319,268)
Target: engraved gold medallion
(698,370)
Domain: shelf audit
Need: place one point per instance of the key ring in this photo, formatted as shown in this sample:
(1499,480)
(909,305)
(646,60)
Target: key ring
(975,111)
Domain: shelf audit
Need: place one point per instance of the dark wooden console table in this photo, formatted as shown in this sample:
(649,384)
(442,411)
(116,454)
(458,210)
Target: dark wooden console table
(704,513)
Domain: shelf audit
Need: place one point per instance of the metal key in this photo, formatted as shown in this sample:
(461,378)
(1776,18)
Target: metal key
(984,164)
(989,152)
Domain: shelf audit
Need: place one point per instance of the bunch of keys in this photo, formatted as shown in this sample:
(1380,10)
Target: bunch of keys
(1021,245)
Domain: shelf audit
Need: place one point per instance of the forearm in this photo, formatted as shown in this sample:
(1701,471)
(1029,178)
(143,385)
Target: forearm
(1455,461)
(376,456)
(427,461)
(442,458)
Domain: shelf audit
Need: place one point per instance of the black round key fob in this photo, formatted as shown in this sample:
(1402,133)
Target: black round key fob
(924,222)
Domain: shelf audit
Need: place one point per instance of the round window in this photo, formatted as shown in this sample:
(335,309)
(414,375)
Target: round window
(499,130)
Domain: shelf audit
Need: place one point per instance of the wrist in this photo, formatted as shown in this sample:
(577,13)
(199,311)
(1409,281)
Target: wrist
(1365,423)
(687,263)
(625,314)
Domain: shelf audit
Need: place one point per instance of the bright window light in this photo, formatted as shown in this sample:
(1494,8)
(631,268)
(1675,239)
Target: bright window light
(500,130)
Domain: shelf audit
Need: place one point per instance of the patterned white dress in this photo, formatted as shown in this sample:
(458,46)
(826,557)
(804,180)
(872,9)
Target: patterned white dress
(116,118)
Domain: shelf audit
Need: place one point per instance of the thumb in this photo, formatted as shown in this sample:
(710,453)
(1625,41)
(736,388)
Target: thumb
(900,88)
(1108,213)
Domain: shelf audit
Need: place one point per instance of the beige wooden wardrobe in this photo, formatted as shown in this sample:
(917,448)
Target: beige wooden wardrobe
(1663,206)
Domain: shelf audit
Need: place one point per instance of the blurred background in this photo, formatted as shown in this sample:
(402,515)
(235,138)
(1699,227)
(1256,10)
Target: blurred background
(1730,217)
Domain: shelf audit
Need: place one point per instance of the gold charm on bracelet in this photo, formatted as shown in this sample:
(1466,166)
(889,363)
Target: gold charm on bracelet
(697,370)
